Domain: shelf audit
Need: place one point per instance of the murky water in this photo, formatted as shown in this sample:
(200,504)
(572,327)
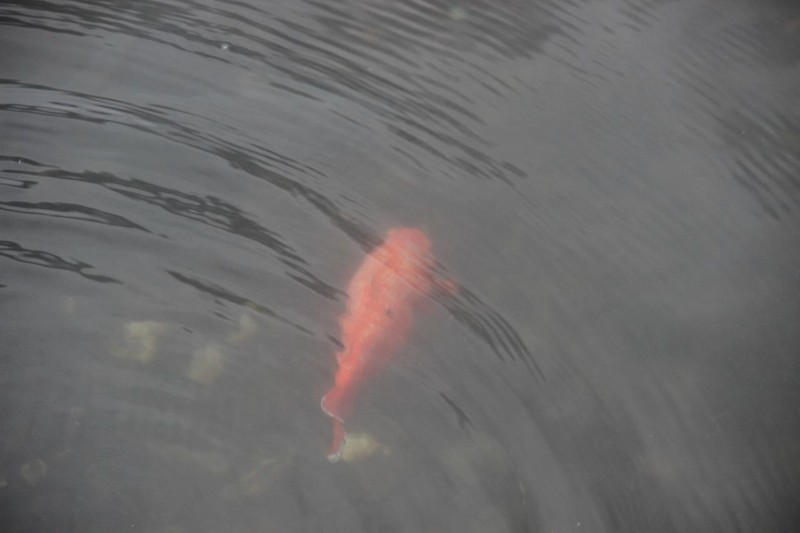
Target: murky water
(186,188)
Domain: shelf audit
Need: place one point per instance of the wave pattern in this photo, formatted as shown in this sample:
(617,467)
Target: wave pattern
(754,118)
(16,252)
(285,174)
(359,51)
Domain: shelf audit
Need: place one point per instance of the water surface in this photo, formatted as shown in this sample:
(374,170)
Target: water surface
(186,188)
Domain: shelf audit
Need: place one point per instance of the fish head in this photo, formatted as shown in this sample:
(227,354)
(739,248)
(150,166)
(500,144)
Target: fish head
(411,258)
(411,242)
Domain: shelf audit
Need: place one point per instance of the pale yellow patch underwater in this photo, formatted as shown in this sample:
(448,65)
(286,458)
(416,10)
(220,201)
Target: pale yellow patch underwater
(247,328)
(33,472)
(359,446)
(206,365)
(139,340)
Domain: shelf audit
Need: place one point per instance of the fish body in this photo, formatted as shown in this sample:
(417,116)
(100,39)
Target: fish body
(381,301)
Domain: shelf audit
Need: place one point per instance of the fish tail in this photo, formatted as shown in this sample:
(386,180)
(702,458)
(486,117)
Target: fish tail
(339,438)
(337,402)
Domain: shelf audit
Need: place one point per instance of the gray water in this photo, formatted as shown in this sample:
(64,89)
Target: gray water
(186,187)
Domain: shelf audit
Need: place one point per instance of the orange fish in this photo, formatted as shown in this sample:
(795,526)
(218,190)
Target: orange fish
(381,300)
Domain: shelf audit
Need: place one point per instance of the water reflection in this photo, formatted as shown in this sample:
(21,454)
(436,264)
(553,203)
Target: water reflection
(15,252)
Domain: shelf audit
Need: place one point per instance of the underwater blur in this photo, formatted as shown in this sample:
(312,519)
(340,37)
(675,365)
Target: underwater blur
(606,335)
